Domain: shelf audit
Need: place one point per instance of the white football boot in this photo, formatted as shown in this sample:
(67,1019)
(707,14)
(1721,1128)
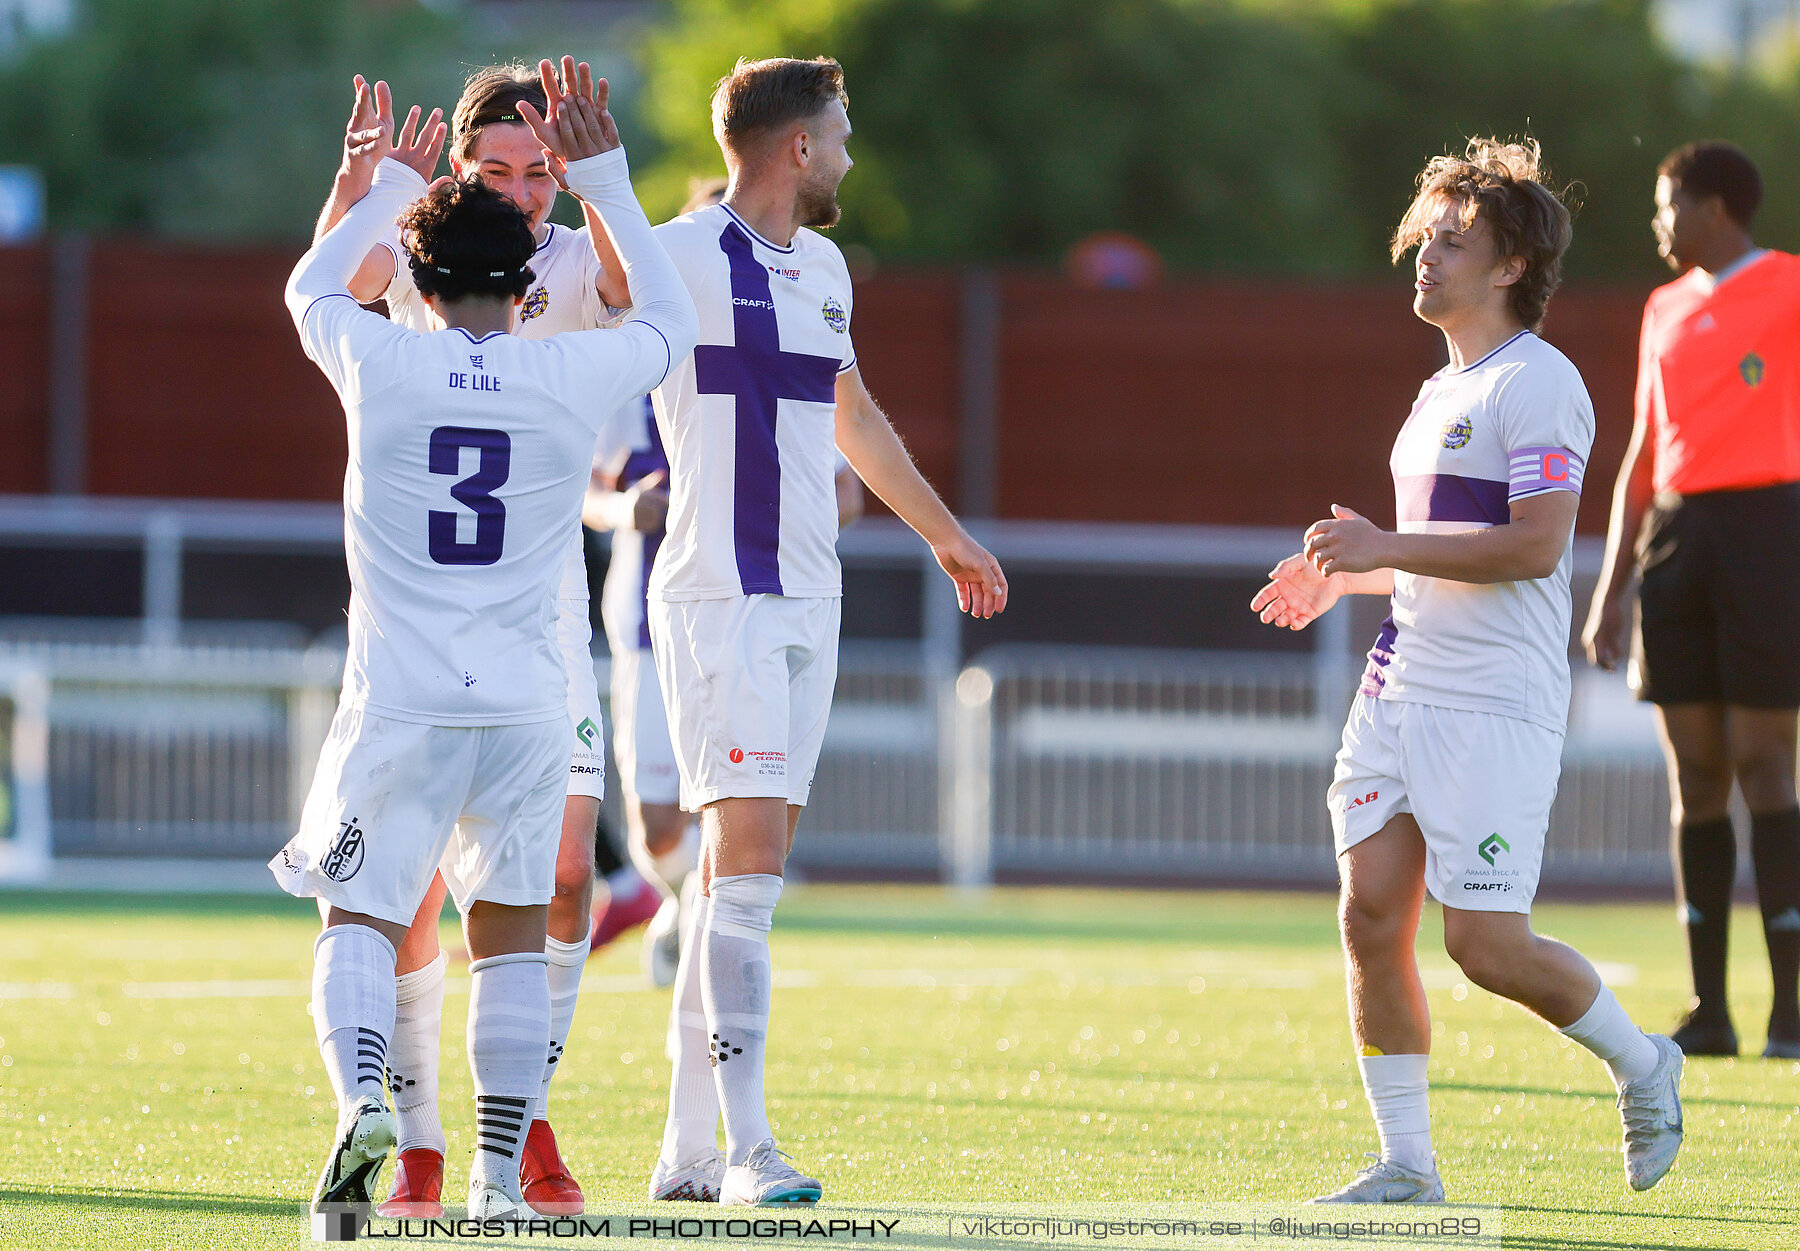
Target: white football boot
(490,1202)
(696,1181)
(1651,1110)
(767,1178)
(1387,1182)
(364,1137)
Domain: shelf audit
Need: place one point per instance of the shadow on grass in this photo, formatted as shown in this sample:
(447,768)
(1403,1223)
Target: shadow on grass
(1604,1095)
(186,1201)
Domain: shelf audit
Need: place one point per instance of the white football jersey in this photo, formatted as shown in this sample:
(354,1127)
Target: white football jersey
(469,459)
(1517,422)
(631,447)
(748,420)
(562,298)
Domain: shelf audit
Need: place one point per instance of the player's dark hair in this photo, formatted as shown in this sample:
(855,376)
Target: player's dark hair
(465,238)
(491,96)
(1503,185)
(758,97)
(1714,167)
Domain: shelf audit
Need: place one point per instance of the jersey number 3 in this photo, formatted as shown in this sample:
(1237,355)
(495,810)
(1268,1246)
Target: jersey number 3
(475,492)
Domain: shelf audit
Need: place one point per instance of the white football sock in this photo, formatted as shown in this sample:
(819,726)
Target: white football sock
(567,960)
(353,1010)
(413,1055)
(692,1126)
(509,1035)
(734,979)
(1398,1096)
(1605,1030)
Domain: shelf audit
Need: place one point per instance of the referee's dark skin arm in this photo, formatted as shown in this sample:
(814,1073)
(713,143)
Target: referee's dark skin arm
(1607,635)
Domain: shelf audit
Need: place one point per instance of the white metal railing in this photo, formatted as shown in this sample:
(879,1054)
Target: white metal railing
(1026,760)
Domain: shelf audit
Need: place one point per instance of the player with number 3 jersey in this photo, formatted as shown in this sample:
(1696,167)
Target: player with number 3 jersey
(469,458)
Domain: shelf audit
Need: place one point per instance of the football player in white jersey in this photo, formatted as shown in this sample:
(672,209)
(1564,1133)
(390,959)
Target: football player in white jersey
(469,458)
(745,591)
(1453,747)
(630,498)
(490,140)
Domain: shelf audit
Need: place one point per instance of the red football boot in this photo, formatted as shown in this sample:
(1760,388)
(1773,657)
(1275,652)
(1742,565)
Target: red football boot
(624,914)
(418,1183)
(545,1178)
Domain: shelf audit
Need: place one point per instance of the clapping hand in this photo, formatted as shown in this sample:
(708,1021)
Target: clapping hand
(575,123)
(369,136)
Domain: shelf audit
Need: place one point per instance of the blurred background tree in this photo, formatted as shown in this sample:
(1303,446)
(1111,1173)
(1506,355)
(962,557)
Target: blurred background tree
(1246,136)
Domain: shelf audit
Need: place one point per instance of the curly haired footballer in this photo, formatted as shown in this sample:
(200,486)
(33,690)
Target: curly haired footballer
(466,239)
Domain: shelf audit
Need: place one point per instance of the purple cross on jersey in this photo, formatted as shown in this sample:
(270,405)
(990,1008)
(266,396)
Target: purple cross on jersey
(759,374)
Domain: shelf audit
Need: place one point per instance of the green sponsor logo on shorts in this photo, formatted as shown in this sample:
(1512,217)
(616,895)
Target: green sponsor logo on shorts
(587,731)
(1491,846)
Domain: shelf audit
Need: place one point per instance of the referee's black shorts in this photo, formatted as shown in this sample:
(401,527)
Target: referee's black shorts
(1719,606)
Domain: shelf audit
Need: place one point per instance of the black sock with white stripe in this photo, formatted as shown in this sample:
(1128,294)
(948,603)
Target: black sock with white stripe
(353,1010)
(509,1036)
(1775,851)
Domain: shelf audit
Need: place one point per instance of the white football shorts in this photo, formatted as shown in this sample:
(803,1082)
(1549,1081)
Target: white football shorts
(392,801)
(587,749)
(748,681)
(1480,785)
(641,746)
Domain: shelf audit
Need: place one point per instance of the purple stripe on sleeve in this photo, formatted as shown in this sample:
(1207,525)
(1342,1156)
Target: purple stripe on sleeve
(1450,497)
(1536,469)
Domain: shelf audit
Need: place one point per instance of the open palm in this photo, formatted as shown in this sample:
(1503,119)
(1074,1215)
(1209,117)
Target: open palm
(1297,594)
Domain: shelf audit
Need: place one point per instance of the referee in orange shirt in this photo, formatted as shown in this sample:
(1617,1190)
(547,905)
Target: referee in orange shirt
(1710,490)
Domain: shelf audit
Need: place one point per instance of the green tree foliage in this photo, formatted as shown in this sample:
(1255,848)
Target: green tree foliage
(196,117)
(1256,135)
(225,118)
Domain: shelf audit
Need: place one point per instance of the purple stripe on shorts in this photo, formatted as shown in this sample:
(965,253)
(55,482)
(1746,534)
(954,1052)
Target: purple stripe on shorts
(1380,656)
(1450,497)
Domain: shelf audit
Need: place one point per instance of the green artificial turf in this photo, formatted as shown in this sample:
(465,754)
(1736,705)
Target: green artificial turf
(1059,1051)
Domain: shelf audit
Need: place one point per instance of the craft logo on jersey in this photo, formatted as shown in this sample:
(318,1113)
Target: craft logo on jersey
(1457,432)
(1751,367)
(346,854)
(1492,846)
(835,316)
(792,275)
(587,731)
(535,304)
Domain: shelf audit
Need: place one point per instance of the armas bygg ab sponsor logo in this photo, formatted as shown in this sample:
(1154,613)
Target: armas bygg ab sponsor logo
(1491,847)
(835,316)
(587,731)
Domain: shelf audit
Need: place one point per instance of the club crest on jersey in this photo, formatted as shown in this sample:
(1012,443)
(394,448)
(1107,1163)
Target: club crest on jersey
(1751,368)
(346,855)
(535,304)
(835,317)
(1457,432)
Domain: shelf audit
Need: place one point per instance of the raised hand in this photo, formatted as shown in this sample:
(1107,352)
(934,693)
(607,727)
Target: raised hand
(980,585)
(575,124)
(420,146)
(369,137)
(1297,594)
